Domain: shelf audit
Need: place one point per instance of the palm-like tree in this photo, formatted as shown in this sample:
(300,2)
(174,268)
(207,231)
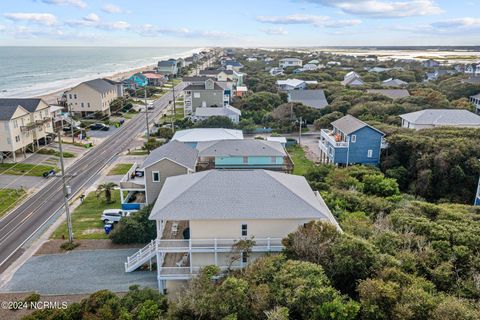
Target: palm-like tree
(106,190)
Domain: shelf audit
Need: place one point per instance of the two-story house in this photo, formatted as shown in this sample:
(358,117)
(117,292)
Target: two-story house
(351,141)
(290,62)
(167,67)
(207,94)
(200,216)
(91,97)
(24,125)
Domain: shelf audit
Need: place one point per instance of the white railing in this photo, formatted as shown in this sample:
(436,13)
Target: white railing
(215,245)
(135,183)
(166,273)
(328,135)
(141,256)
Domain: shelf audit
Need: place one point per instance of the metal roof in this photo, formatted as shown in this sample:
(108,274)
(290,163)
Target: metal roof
(312,98)
(244,148)
(443,117)
(174,151)
(239,194)
(207,134)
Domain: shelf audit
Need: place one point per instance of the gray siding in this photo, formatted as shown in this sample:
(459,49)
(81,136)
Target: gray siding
(211,98)
(167,168)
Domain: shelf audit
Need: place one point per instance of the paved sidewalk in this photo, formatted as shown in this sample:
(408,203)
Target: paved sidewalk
(78,272)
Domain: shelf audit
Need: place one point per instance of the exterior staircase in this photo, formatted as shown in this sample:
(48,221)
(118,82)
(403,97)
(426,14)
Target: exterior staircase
(140,257)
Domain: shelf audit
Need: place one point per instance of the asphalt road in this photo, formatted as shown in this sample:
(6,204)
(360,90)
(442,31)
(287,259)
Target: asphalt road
(22,223)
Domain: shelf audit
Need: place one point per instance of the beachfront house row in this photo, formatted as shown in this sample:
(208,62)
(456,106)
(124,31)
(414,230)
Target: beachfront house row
(290,62)
(196,227)
(167,67)
(350,141)
(476,101)
(432,118)
(24,125)
(91,97)
(207,94)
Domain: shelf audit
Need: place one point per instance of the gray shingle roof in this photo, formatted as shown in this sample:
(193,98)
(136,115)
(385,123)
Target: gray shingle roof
(215,72)
(193,87)
(217,111)
(250,147)
(443,117)
(175,151)
(239,194)
(312,98)
(391,93)
(167,63)
(7,111)
(100,85)
(30,105)
(349,124)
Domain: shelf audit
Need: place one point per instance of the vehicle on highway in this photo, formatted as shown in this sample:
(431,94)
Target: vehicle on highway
(114,215)
(99,126)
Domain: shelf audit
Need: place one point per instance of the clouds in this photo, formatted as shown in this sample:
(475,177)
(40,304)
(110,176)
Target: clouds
(150,30)
(466,22)
(274,31)
(111,8)
(46,19)
(383,8)
(314,20)
(75,3)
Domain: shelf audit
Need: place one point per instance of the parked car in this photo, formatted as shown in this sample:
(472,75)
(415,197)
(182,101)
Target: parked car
(114,215)
(99,126)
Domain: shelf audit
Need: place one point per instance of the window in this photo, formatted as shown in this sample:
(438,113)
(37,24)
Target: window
(244,230)
(70,96)
(370,153)
(88,104)
(17,138)
(75,96)
(245,160)
(244,257)
(353,138)
(83,105)
(196,94)
(9,141)
(155,176)
(15,124)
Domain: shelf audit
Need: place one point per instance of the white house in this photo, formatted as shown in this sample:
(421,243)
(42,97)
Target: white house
(394,83)
(310,67)
(290,62)
(476,101)
(431,118)
(293,84)
(200,216)
(276,71)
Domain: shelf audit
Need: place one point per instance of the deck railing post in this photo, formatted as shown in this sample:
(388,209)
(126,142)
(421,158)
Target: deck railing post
(268,244)
(215,251)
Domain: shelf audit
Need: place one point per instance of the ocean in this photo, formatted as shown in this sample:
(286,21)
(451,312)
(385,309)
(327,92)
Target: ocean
(34,71)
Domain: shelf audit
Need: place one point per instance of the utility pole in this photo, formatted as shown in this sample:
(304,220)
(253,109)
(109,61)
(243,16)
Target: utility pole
(146,114)
(66,193)
(300,131)
(71,121)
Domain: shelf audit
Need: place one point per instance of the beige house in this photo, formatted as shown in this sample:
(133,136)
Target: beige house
(200,217)
(142,184)
(24,125)
(91,97)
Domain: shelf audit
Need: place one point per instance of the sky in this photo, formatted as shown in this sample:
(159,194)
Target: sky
(242,23)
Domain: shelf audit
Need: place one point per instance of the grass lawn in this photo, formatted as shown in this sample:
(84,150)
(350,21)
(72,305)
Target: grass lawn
(86,221)
(179,115)
(8,198)
(138,152)
(120,169)
(56,153)
(301,163)
(27,169)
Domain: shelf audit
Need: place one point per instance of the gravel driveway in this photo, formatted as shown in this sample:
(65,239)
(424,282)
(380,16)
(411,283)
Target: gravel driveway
(78,272)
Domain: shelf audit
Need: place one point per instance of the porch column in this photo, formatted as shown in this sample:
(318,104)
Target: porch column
(121,196)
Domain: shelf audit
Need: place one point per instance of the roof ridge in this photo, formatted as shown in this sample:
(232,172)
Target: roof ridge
(271,174)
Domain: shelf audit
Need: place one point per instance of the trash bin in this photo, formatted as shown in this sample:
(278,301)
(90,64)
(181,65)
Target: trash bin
(108,227)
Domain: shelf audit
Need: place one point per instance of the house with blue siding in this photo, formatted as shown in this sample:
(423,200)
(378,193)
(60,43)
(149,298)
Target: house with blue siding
(138,80)
(243,154)
(351,141)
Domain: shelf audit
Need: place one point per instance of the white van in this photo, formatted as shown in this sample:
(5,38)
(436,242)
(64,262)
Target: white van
(114,215)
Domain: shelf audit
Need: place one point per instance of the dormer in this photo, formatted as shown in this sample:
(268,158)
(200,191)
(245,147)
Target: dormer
(209,84)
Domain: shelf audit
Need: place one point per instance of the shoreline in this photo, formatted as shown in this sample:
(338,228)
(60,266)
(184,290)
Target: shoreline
(52,96)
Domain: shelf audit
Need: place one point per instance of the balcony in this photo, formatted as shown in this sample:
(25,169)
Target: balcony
(134,179)
(328,136)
